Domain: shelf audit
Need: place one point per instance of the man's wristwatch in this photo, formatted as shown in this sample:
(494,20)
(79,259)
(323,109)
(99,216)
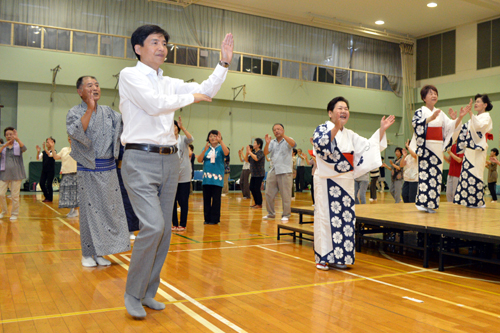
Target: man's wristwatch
(224,64)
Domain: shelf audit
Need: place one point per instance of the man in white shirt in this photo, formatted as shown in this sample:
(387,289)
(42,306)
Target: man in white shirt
(150,166)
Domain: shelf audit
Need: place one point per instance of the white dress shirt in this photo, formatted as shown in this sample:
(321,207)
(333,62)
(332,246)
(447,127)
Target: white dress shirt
(148,101)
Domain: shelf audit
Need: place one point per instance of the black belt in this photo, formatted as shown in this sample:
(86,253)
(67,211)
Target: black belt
(165,150)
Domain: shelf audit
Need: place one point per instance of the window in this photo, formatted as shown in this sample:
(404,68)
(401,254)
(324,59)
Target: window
(488,44)
(436,55)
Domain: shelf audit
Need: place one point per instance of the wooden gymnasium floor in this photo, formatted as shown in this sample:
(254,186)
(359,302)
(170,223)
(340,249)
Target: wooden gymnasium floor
(232,277)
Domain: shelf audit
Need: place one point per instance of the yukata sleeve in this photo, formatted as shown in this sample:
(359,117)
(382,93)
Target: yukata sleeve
(449,128)
(479,127)
(327,150)
(420,129)
(75,129)
(367,152)
(82,148)
(117,132)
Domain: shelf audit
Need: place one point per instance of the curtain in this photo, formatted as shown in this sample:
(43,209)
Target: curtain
(204,26)
(409,86)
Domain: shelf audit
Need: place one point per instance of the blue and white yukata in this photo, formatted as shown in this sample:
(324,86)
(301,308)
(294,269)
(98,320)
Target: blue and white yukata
(339,162)
(472,143)
(432,140)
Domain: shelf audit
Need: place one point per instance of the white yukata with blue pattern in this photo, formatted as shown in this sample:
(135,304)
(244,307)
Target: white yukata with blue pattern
(430,155)
(334,215)
(472,143)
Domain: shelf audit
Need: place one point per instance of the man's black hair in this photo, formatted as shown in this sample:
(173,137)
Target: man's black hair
(140,34)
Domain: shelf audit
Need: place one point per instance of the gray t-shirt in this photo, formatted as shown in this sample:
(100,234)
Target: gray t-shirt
(14,166)
(184,161)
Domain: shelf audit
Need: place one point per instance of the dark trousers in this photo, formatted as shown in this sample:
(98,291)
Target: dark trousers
(373,188)
(409,191)
(255,183)
(312,189)
(182,197)
(211,203)
(46,180)
(300,179)
(493,190)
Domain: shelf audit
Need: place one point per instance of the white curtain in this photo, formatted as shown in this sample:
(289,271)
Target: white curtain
(205,26)
(409,86)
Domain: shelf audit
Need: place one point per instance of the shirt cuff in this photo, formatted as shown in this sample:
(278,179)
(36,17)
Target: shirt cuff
(220,71)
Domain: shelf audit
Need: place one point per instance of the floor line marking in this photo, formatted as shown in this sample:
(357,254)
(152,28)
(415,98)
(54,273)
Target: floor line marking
(43,203)
(204,298)
(69,225)
(231,247)
(398,287)
(435,270)
(184,308)
(181,306)
(41,251)
(198,304)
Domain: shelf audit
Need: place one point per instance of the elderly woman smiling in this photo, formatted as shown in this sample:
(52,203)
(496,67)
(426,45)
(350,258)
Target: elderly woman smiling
(341,156)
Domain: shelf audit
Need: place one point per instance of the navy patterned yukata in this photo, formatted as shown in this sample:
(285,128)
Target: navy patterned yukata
(472,143)
(431,140)
(339,162)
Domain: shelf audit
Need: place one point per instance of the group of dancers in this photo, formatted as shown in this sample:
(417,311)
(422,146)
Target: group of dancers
(342,156)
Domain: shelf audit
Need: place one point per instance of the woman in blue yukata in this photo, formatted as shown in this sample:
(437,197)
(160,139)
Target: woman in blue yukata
(341,156)
(433,135)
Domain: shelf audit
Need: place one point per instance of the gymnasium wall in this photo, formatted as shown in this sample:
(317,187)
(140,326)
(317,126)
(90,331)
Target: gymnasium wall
(299,105)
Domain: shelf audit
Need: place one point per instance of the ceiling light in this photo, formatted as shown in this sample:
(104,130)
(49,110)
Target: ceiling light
(379,22)
(432,4)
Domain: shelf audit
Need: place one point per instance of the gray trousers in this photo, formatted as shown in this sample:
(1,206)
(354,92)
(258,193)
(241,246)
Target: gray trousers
(451,187)
(151,183)
(395,189)
(283,184)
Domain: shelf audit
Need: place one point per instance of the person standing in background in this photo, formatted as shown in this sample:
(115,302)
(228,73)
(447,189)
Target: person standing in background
(48,168)
(492,174)
(381,177)
(374,178)
(68,189)
(312,162)
(184,184)
(257,162)
(301,171)
(227,173)
(360,187)
(455,162)
(245,175)
(410,175)
(397,175)
(12,171)
(280,177)
(212,158)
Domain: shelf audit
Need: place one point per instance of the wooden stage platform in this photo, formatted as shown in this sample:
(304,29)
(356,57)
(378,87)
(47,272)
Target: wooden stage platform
(457,227)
